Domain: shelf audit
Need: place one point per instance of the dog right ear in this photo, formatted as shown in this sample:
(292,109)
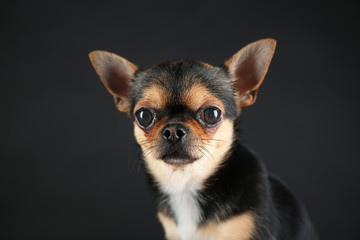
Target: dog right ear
(116,73)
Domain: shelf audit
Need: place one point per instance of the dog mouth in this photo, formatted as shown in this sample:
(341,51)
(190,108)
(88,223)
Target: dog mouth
(177,158)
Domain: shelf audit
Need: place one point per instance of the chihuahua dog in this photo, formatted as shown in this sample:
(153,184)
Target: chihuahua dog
(207,184)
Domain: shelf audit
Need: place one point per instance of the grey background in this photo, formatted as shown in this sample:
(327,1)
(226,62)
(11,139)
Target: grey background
(68,168)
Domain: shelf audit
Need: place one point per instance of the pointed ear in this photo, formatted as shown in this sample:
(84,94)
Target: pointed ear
(248,68)
(116,73)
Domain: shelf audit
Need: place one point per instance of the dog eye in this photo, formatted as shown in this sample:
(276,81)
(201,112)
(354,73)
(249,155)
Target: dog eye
(144,117)
(211,115)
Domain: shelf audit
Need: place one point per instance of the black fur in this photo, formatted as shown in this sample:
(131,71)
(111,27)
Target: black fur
(242,183)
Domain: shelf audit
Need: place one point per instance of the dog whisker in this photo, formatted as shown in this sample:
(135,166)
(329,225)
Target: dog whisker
(208,144)
(205,149)
(149,150)
(219,140)
(203,153)
(209,139)
(207,153)
(147,141)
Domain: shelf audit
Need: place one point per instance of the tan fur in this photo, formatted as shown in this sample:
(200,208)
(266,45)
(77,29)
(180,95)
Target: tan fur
(198,95)
(206,65)
(154,97)
(240,227)
(194,98)
(169,225)
(197,171)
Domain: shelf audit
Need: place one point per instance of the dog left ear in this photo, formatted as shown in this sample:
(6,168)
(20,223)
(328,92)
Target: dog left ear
(248,68)
(116,73)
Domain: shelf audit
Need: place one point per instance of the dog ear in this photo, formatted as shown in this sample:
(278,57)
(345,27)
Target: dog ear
(116,73)
(248,68)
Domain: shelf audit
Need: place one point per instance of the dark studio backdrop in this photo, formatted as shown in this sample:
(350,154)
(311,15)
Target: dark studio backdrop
(68,168)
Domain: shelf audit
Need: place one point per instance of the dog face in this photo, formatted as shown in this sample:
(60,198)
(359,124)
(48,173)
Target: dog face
(184,111)
(179,109)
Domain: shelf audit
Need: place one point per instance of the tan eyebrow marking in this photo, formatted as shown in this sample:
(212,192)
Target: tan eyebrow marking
(154,97)
(199,95)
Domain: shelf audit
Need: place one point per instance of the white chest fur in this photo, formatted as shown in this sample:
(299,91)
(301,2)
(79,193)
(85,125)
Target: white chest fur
(183,201)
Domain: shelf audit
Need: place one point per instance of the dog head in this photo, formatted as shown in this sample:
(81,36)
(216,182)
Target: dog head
(184,111)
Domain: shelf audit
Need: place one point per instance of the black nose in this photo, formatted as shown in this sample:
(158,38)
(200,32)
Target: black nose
(174,132)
